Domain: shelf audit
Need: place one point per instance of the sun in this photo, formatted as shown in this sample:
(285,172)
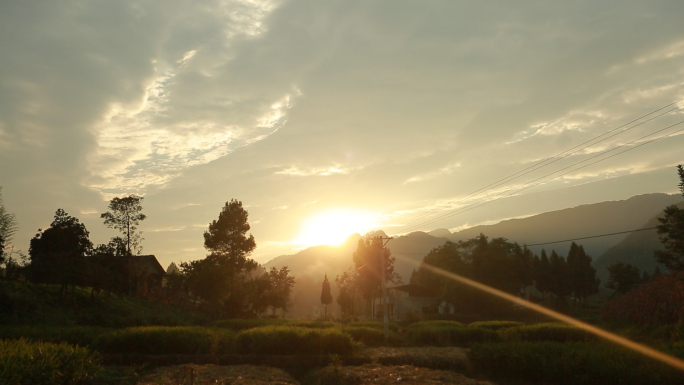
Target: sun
(334,226)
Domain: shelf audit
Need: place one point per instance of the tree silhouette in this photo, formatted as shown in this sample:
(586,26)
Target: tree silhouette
(8,223)
(671,231)
(326,297)
(57,254)
(623,277)
(125,215)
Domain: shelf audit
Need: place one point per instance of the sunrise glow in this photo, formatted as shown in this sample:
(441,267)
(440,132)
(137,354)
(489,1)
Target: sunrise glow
(334,226)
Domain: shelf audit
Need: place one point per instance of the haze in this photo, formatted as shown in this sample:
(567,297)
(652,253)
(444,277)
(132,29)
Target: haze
(394,110)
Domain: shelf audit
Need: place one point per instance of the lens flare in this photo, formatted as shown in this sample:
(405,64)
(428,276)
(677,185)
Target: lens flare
(643,349)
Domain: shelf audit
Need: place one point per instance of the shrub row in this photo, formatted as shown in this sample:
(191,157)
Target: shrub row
(36,363)
(575,363)
(167,340)
(81,335)
(446,333)
(293,340)
(550,331)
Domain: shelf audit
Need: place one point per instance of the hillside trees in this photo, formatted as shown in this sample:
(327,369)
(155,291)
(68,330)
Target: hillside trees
(347,286)
(671,231)
(623,277)
(58,253)
(125,215)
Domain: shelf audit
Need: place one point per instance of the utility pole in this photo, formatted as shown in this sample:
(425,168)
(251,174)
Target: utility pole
(383,284)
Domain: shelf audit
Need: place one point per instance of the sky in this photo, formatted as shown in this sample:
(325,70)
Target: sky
(328,117)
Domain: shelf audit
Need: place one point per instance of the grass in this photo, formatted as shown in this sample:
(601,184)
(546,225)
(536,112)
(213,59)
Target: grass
(547,331)
(36,363)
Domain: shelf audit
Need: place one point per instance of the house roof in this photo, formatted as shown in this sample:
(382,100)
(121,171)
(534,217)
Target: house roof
(148,263)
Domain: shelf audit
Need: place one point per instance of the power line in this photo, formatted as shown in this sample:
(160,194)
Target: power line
(541,180)
(563,154)
(592,236)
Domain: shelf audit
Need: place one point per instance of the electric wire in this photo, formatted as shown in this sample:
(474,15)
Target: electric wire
(541,180)
(562,155)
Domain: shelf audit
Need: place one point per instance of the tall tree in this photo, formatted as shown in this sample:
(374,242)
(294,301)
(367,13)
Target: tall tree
(217,279)
(671,231)
(57,254)
(280,288)
(8,224)
(125,215)
(558,273)
(347,285)
(368,260)
(581,275)
(326,296)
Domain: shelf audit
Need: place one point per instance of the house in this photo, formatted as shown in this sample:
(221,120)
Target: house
(145,275)
(407,301)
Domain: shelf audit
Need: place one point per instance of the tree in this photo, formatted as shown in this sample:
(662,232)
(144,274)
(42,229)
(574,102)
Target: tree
(227,240)
(541,272)
(8,226)
(368,260)
(57,254)
(671,231)
(559,277)
(326,297)
(347,285)
(280,288)
(581,275)
(623,277)
(125,215)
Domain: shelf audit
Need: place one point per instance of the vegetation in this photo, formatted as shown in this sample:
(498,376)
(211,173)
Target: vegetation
(125,215)
(573,363)
(166,340)
(326,297)
(35,363)
(671,231)
(293,340)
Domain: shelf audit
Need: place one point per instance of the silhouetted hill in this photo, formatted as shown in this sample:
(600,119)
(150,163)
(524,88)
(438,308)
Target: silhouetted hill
(578,222)
(636,249)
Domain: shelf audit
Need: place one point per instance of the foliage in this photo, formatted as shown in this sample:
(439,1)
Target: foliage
(496,263)
(73,335)
(57,254)
(447,333)
(548,331)
(660,301)
(326,296)
(347,284)
(35,363)
(125,215)
(574,363)
(293,340)
(495,325)
(29,304)
(238,324)
(166,340)
(393,326)
(280,284)
(369,258)
(623,277)
(671,231)
(581,275)
(8,224)
(371,336)
(220,282)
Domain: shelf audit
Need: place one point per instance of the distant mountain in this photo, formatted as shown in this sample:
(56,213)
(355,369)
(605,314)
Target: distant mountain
(578,222)
(310,265)
(636,249)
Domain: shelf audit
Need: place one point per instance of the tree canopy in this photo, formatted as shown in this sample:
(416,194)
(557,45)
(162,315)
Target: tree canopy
(57,253)
(671,231)
(125,215)
(8,224)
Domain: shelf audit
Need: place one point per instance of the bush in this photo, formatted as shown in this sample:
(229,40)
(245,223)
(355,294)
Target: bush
(495,325)
(167,340)
(549,331)
(24,362)
(448,333)
(82,335)
(392,326)
(575,363)
(371,336)
(239,324)
(293,340)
